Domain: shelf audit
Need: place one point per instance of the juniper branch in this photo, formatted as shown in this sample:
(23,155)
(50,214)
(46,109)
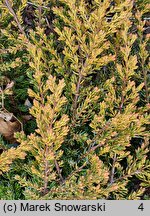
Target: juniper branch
(76,95)
(113,169)
(15,16)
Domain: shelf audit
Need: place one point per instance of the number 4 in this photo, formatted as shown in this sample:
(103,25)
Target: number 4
(141,207)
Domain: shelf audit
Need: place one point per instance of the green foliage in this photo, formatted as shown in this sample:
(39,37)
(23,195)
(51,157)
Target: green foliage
(87,77)
(15,190)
